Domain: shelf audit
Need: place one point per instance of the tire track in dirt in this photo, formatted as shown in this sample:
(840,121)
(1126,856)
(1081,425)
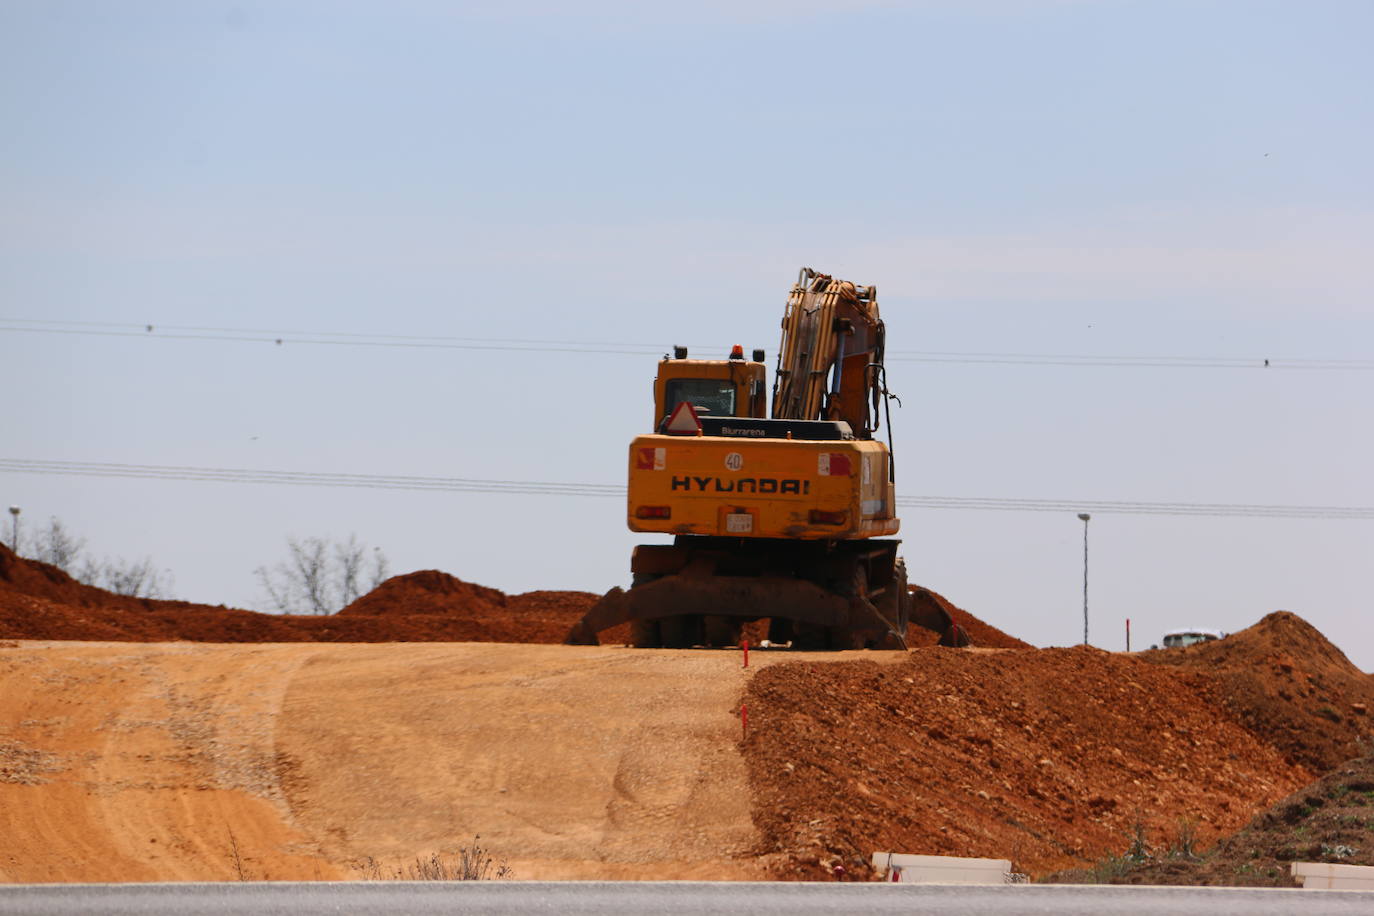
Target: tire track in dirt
(616,764)
(164,752)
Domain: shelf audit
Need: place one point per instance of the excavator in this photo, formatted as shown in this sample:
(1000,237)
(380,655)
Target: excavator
(785,516)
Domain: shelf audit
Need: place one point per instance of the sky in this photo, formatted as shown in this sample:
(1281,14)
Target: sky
(1144,187)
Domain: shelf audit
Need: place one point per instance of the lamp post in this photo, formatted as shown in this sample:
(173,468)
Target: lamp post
(1083,516)
(14,530)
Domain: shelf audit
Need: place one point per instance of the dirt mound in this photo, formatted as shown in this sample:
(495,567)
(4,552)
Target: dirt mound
(476,613)
(549,616)
(1284,680)
(42,580)
(984,635)
(38,601)
(1043,756)
(1331,820)
(428,591)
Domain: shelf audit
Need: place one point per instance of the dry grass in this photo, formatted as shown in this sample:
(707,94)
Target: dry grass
(470,863)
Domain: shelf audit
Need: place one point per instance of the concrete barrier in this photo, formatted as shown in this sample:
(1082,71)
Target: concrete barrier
(907,869)
(1325,876)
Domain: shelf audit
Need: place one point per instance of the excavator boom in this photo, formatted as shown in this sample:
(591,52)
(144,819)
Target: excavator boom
(831,354)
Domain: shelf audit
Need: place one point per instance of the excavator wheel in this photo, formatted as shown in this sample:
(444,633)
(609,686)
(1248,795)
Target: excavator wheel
(847,637)
(644,634)
(895,605)
(780,631)
(810,637)
(681,631)
(721,631)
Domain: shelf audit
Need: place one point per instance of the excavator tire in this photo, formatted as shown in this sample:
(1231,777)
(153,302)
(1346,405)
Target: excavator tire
(644,634)
(845,637)
(721,631)
(895,605)
(702,591)
(780,631)
(681,631)
(808,637)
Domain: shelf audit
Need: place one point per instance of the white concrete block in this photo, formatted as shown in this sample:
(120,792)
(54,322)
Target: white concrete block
(1328,876)
(913,869)
(1323,883)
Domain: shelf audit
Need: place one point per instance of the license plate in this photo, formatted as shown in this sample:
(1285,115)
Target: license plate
(739,523)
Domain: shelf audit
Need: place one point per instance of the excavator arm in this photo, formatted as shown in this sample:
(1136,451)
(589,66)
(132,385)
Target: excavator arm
(831,354)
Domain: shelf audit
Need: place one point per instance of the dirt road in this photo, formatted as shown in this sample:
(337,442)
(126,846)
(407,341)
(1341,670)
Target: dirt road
(143,762)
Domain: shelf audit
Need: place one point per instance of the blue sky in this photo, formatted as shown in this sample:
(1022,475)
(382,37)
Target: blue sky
(1089,178)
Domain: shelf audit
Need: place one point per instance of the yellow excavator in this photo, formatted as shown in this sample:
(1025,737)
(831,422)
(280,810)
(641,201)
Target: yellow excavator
(786,517)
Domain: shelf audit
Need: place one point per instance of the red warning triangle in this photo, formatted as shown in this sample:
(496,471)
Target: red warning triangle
(684,421)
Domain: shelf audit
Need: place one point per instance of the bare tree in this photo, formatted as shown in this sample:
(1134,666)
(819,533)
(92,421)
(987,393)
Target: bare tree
(136,578)
(350,560)
(381,569)
(139,579)
(55,545)
(352,572)
(319,576)
(310,563)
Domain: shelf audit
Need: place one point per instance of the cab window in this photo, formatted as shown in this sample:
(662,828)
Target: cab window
(714,397)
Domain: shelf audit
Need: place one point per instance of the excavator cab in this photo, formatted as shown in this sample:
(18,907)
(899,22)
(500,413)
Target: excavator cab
(731,387)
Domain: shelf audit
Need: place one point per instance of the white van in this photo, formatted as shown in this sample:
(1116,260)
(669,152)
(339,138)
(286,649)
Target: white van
(1177,639)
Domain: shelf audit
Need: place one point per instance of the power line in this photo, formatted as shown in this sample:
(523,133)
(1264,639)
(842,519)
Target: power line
(402,343)
(308,478)
(545,488)
(1139,362)
(281,337)
(1121,507)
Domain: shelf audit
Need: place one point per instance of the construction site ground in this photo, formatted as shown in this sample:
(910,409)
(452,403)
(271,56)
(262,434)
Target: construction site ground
(154,741)
(153,762)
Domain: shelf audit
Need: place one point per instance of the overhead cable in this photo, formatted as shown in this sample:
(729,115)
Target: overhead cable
(280,337)
(546,488)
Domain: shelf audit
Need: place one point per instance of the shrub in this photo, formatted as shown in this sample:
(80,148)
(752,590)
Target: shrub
(471,863)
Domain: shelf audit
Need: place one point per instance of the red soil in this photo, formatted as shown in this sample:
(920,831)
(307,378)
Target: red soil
(1284,680)
(1050,757)
(984,635)
(475,613)
(38,601)
(1047,756)
(1326,821)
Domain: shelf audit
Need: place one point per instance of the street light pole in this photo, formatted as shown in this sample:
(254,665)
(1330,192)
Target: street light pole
(14,530)
(1083,516)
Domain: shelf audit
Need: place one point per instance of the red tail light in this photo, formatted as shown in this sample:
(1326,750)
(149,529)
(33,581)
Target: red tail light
(821,517)
(654,512)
